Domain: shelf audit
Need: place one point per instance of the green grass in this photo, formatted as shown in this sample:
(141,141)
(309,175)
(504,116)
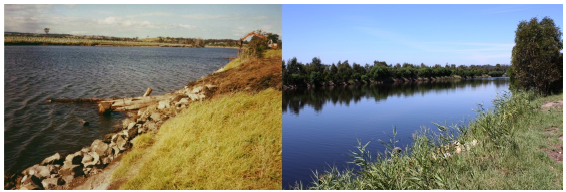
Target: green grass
(232,142)
(509,155)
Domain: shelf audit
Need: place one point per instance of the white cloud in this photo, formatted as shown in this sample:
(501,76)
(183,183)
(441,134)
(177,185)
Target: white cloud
(154,14)
(108,21)
(120,22)
(184,26)
(205,16)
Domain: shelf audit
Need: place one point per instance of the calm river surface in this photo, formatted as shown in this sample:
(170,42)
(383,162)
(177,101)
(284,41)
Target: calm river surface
(34,129)
(321,125)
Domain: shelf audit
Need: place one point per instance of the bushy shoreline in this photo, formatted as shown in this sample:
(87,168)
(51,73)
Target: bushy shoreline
(508,147)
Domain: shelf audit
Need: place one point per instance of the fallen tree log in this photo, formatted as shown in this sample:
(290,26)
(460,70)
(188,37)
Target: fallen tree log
(88,100)
(106,106)
(147,92)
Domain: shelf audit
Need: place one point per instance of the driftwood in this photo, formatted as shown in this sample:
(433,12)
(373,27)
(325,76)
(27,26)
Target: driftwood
(147,92)
(106,106)
(88,100)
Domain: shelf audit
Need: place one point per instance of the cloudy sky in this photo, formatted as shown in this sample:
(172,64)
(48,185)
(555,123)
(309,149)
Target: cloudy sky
(204,21)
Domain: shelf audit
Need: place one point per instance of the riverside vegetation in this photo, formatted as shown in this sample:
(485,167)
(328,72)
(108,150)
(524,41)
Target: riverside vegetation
(515,145)
(315,73)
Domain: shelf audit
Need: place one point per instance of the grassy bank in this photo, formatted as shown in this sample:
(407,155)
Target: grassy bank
(232,142)
(516,145)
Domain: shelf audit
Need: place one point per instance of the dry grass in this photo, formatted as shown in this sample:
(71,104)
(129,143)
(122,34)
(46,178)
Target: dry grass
(231,142)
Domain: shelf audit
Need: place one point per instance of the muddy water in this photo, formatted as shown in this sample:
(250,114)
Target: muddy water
(34,129)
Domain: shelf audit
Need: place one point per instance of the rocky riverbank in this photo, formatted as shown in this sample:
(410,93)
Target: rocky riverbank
(72,170)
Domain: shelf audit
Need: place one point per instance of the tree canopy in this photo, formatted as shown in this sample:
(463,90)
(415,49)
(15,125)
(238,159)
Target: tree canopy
(536,57)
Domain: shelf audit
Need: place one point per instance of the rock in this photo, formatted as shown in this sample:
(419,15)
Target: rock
(87,159)
(39,171)
(85,149)
(182,102)
(90,159)
(74,158)
(68,178)
(52,168)
(115,151)
(132,133)
(53,159)
(121,143)
(126,123)
(163,104)
(131,125)
(458,149)
(155,116)
(108,137)
(31,183)
(69,169)
(107,160)
(100,148)
(51,183)
(196,97)
(125,134)
(142,130)
(114,137)
(151,126)
(196,90)
(177,98)
(87,170)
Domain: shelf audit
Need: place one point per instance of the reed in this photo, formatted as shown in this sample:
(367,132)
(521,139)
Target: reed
(502,148)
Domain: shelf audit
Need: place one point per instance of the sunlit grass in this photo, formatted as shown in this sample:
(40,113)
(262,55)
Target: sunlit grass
(232,142)
(239,60)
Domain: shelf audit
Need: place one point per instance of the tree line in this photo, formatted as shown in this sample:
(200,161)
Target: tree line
(316,73)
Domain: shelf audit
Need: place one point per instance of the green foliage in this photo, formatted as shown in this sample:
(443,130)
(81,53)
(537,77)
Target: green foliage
(500,149)
(343,72)
(537,57)
(256,47)
(314,78)
(496,73)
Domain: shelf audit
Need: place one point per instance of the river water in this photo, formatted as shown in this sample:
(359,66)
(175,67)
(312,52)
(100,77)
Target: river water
(34,129)
(321,125)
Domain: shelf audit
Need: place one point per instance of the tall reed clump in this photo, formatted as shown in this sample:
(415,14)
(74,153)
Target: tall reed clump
(500,149)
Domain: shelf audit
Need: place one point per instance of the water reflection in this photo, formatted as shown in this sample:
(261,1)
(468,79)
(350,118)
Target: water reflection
(295,100)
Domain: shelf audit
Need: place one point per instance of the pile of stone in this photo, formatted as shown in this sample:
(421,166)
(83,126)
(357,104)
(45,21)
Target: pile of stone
(455,148)
(56,172)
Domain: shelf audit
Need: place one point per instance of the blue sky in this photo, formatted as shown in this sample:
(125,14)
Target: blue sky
(204,21)
(429,34)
